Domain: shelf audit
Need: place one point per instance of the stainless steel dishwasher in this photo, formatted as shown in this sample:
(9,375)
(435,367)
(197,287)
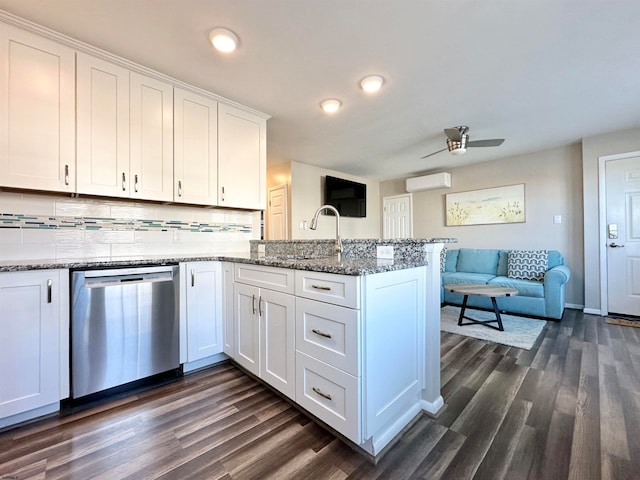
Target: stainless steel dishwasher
(124,326)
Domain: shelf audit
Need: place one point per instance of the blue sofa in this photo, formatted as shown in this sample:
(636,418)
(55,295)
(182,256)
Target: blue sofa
(543,297)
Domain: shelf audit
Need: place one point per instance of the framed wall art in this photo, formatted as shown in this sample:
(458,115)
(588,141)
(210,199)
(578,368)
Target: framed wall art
(486,206)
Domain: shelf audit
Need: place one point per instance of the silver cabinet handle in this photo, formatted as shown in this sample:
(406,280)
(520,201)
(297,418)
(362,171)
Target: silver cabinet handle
(222,196)
(179,188)
(135,183)
(193,278)
(253,303)
(322,334)
(49,285)
(124,182)
(66,174)
(320,287)
(321,393)
(260,306)
(615,245)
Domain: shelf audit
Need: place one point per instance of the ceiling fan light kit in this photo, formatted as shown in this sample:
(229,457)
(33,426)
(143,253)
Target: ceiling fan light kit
(458,147)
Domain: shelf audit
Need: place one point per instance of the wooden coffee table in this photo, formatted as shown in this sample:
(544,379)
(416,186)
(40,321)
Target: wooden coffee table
(482,290)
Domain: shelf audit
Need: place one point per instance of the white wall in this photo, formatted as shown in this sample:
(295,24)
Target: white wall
(80,228)
(306,195)
(553,186)
(592,148)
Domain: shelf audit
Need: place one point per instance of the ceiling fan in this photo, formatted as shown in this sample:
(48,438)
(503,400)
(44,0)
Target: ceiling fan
(458,141)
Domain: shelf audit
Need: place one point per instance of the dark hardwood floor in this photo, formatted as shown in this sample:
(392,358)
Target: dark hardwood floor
(567,409)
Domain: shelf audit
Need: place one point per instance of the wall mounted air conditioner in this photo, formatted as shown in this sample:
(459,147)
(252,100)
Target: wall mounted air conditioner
(429,182)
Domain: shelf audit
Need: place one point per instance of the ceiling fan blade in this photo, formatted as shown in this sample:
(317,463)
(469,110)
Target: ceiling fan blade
(493,142)
(454,134)
(433,153)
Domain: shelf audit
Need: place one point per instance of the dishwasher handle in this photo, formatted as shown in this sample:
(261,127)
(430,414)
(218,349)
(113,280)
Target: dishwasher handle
(132,279)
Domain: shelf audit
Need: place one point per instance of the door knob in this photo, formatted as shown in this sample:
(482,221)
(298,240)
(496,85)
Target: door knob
(615,245)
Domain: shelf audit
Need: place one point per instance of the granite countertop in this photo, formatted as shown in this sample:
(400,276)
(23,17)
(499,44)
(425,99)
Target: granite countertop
(345,266)
(356,263)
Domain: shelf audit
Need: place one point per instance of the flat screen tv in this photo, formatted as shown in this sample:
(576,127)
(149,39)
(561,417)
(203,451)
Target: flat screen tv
(349,198)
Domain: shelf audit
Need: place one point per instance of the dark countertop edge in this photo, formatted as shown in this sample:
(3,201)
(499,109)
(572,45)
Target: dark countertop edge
(348,266)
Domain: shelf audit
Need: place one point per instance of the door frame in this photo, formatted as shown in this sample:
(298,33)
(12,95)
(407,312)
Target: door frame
(602,222)
(384,213)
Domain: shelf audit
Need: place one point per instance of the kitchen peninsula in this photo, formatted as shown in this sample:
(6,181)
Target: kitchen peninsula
(355,341)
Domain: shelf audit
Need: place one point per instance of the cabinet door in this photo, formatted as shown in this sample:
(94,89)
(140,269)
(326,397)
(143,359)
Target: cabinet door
(196,148)
(29,341)
(245,312)
(204,309)
(277,340)
(242,161)
(37,112)
(103,128)
(151,159)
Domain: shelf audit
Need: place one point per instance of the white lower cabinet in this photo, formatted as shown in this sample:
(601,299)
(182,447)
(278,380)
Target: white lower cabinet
(265,322)
(34,343)
(202,294)
(359,344)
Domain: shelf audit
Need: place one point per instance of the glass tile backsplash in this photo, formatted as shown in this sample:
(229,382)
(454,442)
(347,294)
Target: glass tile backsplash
(34,227)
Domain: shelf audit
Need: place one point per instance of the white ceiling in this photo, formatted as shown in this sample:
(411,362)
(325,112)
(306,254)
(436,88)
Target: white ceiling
(540,73)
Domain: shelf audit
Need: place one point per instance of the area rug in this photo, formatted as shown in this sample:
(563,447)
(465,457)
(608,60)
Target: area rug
(520,332)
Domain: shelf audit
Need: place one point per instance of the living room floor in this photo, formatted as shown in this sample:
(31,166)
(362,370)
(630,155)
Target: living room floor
(567,409)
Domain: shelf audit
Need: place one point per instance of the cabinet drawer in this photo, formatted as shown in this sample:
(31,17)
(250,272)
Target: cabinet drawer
(328,287)
(273,278)
(328,333)
(330,394)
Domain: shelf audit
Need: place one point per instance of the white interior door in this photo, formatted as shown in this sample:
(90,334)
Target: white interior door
(277,213)
(397,216)
(623,235)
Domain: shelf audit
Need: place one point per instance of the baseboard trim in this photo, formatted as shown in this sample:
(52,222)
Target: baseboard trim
(593,311)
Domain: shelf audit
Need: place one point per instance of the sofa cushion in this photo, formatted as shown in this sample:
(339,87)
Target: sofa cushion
(465,277)
(526,288)
(527,264)
(477,260)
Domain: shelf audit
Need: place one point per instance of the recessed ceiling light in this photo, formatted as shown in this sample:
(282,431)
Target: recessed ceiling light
(372,83)
(223,40)
(331,105)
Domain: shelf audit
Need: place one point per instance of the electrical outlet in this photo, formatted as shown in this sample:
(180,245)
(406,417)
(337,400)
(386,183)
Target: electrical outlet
(384,251)
(261,249)
(557,219)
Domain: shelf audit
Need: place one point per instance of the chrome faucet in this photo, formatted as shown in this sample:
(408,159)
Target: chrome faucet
(314,225)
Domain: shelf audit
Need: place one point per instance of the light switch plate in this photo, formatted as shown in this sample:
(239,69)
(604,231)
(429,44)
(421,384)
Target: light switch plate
(384,251)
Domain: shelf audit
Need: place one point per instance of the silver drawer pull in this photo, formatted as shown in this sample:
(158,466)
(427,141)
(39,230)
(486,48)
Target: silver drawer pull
(320,287)
(322,334)
(49,285)
(321,393)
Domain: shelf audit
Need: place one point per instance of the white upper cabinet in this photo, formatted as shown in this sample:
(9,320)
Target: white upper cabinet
(196,148)
(151,138)
(103,127)
(242,158)
(37,108)
(125,124)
